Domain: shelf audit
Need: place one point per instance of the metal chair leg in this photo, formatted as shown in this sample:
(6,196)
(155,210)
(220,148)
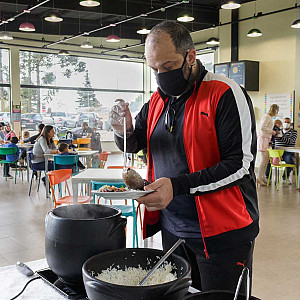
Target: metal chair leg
(30,184)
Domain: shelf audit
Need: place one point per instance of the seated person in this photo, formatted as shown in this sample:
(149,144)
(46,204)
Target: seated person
(11,157)
(33,138)
(26,135)
(288,139)
(278,129)
(63,149)
(2,134)
(88,132)
(9,133)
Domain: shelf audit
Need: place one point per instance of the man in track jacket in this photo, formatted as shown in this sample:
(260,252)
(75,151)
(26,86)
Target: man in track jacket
(199,131)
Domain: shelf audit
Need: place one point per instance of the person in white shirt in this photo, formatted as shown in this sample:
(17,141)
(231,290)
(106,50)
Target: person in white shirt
(264,137)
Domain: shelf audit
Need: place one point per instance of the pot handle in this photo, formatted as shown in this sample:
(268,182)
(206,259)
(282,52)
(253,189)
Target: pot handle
(120,223)
(109,293)
(178,285)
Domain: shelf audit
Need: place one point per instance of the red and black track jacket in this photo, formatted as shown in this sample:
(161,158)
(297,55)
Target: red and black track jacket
(219,138)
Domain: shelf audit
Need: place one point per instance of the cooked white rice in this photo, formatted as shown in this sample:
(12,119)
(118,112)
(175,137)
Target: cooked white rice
(132,276)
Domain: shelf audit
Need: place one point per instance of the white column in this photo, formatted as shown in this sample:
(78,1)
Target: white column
(15,84)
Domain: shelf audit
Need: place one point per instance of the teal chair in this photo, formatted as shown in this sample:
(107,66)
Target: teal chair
(10,151)
(65,160)
(127,210)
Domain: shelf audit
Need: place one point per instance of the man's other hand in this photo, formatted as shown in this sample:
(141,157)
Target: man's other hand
(162,196)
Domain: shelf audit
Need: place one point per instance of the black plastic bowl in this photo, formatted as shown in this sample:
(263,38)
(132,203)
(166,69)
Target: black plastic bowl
(99,290)
(217,295)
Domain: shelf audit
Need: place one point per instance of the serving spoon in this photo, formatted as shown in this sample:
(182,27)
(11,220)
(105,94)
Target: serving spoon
(161,261)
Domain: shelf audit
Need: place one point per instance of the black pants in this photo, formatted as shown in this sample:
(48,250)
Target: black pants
(220,271)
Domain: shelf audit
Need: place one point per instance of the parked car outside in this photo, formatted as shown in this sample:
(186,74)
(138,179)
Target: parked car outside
(31,121)
(48,119)
(63,119)
(5,117)
(90,117)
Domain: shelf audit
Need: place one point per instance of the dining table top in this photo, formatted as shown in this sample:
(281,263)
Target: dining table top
(80,153)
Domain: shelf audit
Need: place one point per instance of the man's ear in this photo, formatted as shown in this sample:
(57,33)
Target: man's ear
(191,58)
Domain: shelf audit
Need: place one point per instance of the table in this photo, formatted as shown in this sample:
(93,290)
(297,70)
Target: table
(89,153)
(12,282)
(293,150)
(102,175)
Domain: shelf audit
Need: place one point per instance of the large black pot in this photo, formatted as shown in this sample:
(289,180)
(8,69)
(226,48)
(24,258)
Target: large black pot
(74,233)
(217,295)
(100,290)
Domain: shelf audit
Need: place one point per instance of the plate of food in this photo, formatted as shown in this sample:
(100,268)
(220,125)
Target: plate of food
(112,192)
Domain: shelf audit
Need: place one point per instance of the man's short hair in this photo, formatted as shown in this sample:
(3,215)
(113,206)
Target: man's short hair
(41,126)
(287,118)
(180,36)
(14,140)
(85,124)
(62,147)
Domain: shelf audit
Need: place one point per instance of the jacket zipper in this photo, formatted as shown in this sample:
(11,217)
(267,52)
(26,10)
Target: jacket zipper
(202,230)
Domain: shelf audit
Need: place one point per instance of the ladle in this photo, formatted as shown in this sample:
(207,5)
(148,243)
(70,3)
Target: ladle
(160,262)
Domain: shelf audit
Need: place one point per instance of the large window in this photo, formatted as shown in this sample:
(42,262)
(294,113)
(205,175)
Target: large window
(4,86)
(65,91)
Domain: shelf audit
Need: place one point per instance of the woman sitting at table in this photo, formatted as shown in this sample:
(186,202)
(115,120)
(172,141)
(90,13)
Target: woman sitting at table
(9,133)
(44,145)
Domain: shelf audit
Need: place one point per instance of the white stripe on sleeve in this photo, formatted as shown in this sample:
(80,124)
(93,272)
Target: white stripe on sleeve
(245,120)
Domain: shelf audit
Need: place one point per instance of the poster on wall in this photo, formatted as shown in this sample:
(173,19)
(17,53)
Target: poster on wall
(236,72)
(16,113)
(285,101)
(222,69)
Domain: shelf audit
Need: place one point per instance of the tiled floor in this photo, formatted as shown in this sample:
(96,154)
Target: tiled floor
(277,249)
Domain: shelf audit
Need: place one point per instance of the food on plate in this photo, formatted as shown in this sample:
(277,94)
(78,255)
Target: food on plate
(131,276)
(134,180)
(112,188)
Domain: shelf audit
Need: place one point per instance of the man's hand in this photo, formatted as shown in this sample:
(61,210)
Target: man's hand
(162,196)
(117,114)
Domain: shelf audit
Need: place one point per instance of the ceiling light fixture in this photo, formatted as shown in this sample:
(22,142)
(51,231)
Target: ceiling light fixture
(5,36)
(185,18)
(143,31)
(113,38)
(213,41)
(296,24)
(54,17)
(90,3)
(124,57)
(230,4)
(27,27)
(254,33)
(86,45)
(63,53)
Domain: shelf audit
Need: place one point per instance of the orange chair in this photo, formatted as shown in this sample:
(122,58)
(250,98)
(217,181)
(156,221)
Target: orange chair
(103,158)
(84,141)
(59,176)
(138,209)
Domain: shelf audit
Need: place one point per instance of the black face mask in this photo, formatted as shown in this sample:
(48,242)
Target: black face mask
(173,83)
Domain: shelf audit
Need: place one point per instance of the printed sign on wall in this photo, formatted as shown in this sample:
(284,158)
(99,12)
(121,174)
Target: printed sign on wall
(285,102)
(16,113)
